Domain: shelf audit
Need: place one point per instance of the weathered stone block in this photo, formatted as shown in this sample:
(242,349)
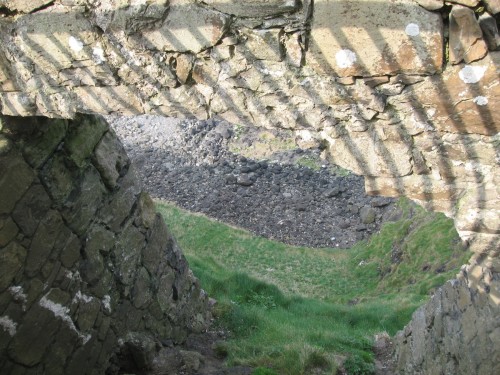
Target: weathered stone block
(43,242)
(127,254)
(466,38)
(493,6)
(121,99)
(12,260)
(15,180)
(253,8)
(489,28)
(176,32)
(265,44)
(110,159)
(24,6)
(463,98)
(352,38)
(8,231)
(142,292)
(31,209)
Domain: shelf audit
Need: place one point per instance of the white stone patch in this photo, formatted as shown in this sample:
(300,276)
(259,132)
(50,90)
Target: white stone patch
(480,100)
(472,74)
(345,58)
(98,54)
(8,325)
(62,312)
(106,301)
(79,296)
(17,293)
(412,29)
(75,44)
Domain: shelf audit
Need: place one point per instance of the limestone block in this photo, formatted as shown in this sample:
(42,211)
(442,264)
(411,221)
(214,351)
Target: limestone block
(466,38)
(56,39)
(177,32)
(253,8)
(17,104)
(293,48)
(184,65)
(108,100)
(364,154)
(24,6)
(264,44)
(493,6)
(464,98)
(490,31)
(353,38)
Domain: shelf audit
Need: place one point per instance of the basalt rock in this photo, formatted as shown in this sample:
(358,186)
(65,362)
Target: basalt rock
(76,289)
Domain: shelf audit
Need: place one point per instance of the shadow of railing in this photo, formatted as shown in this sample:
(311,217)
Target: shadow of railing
(39,44)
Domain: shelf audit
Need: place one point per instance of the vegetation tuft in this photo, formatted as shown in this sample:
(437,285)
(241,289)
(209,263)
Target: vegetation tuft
(295,310)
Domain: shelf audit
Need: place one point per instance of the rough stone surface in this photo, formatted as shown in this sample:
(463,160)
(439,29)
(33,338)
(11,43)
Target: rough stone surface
(77,281)
(466,38)
(430,132)
(381,39)
(253,8)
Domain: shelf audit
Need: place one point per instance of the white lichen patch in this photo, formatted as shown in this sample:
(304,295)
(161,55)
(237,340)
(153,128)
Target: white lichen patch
(345,58)
(17,293)
(75,44)
(472,74)
(412,29)
(62,312)
(98,54)
(106,301)
(480,100)
(79,296)
(8,325)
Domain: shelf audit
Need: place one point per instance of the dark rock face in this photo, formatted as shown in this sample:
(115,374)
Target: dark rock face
(87,268)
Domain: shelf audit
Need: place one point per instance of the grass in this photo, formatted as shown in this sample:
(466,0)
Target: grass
(295,310)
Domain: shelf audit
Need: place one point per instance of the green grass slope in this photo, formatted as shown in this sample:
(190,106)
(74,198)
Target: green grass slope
(298,310)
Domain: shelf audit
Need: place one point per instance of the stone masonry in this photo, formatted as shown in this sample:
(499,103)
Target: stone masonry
(87,268)
(403,92)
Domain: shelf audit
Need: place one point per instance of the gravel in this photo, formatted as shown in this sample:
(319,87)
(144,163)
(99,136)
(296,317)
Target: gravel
(189,163)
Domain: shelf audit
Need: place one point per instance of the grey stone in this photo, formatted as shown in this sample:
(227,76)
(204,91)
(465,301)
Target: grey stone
(43,242)
(31,209)
(58,179)
(367,215)
(110,159)
(15,180)
(34,337)
(12,260)
(489,27)
(142,292)
(24,6)
(71,251)
(83,135)
(79,212)
(127,254)
(8,231)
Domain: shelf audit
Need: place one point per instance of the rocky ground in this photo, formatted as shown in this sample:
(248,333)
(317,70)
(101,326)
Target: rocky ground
(256,179)
(283,192)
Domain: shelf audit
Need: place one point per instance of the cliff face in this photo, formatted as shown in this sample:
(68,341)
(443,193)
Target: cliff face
(87,268)
(402,92)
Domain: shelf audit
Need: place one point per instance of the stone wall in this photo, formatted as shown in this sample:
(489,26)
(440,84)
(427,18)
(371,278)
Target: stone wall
(403,92)
(87,268)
